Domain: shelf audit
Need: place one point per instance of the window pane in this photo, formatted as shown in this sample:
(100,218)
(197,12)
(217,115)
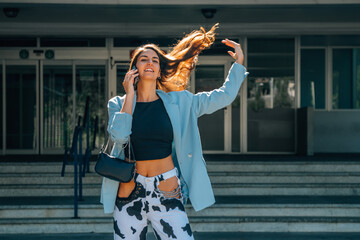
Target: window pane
(333,40)
(235,124)
(72,42)
(211,126)
(271,95)
(1,108)
(20,107)
(90,81)
(346,79)
(313,78)
(136,41)
(120,76)
(58,106)
(17,42)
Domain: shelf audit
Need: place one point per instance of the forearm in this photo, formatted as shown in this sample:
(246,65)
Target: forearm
(128,104)
(120,118)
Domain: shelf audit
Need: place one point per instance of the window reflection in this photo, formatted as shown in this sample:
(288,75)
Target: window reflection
(1,108)
(346,79)
(20,107)
(211,127)
(90,81)
(58,124)
(271,95)
(313,78)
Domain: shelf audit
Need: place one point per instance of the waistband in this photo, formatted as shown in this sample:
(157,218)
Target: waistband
(163,176)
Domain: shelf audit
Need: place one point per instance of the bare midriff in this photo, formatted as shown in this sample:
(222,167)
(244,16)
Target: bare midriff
(151,168)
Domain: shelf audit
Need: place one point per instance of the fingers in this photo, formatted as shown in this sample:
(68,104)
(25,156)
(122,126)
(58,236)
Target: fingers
(230,43)
(129,80)
(131,74)
(232,54)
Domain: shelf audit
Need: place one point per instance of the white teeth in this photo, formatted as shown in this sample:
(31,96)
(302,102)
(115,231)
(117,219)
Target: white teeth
(148,70)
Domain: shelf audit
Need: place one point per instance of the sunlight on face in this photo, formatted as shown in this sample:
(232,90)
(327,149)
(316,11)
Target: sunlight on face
(148,64)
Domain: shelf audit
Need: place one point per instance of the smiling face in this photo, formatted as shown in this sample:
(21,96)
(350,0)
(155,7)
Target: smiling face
(148,65)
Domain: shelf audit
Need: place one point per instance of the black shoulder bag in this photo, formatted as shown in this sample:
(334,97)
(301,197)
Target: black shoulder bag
(115,168)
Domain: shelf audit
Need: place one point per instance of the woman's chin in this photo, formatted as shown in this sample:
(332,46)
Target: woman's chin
(148,79)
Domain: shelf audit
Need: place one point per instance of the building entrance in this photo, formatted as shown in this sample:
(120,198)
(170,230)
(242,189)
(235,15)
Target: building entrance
(44,99)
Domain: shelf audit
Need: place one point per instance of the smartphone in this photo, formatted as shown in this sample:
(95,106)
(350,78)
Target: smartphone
(136,80)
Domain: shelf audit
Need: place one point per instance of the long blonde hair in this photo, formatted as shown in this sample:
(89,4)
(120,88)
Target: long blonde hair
(177,65)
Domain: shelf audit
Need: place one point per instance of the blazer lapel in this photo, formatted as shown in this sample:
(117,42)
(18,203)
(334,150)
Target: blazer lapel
(174,115)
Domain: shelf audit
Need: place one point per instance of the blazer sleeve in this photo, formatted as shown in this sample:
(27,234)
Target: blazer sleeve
(209,102)
(120,123)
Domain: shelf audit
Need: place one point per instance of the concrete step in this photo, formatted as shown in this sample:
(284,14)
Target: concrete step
(238,189)
(274,166)
(198,236)
(46,178)
(18,190)
(217,210)
(220,189)
(199,224)
(216,166)
(215,177)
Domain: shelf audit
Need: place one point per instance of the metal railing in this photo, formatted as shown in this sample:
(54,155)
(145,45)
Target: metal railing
(81,162)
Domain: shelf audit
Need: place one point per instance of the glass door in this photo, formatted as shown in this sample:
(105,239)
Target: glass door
(214,128)
(57,106)
(65,87)
(90,82)
(271,96)
(22,107)
(2,109)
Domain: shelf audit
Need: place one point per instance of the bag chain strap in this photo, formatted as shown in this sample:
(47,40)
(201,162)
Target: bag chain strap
(104,149)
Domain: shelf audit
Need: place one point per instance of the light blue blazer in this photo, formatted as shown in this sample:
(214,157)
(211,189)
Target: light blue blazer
(183,108)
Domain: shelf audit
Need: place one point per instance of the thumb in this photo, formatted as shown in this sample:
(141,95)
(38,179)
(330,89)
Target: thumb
(231,54)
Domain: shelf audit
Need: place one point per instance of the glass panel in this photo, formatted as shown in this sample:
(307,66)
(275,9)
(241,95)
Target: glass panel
(90,81)
(235,124)
(1,108)
(120,75)
(333,40)
(72,42)
(20,107)
(211,126)
(346,79)
(271,95)
(313,78)
(135,41)
(17,42)
(58,126)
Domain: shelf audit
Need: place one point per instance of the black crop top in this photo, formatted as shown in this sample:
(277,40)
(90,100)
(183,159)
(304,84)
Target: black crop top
(152,132)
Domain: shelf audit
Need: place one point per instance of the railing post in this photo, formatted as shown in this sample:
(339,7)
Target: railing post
(81,162)
(76,173)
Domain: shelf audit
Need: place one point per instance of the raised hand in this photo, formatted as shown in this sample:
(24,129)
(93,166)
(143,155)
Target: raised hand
(129,81)
(238,55)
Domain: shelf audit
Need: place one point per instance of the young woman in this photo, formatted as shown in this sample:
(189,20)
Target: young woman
(160,117)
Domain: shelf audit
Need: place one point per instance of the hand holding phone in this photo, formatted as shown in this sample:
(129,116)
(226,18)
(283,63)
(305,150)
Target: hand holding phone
(136,80)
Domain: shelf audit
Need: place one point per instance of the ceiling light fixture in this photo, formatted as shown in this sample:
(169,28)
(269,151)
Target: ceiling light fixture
(208,12)
(11,12)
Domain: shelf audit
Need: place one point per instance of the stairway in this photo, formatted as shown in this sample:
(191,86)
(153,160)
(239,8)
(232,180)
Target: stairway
(251,196)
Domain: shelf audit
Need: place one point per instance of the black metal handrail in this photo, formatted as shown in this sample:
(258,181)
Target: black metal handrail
(81,162)
(77,161)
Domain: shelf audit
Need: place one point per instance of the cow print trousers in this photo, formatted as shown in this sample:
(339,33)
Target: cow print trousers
(163,210)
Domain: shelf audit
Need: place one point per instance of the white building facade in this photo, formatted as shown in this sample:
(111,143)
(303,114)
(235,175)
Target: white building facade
(300,55)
